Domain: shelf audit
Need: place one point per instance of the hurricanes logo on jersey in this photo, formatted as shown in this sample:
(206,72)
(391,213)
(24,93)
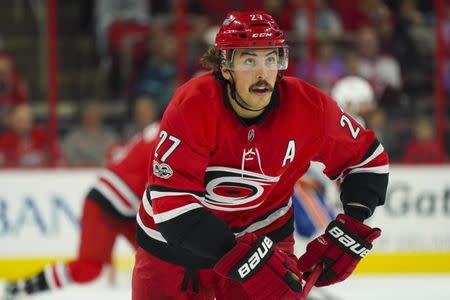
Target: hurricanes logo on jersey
(230,189)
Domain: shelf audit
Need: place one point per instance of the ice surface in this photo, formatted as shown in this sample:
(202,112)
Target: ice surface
(403,287)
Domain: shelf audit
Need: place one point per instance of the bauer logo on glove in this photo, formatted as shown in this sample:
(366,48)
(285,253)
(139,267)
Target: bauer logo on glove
(257,257)
(352,245)
(263,269)
(339,249)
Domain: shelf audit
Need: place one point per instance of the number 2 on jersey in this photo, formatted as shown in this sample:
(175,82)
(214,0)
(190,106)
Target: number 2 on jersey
(163,137)
(346,121)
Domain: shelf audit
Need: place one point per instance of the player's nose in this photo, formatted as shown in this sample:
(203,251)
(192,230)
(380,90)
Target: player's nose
(262,72)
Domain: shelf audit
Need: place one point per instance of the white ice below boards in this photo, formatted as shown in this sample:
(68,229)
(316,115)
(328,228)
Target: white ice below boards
(411,287)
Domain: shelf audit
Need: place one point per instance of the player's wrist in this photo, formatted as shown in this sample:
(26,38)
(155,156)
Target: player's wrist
(356,212)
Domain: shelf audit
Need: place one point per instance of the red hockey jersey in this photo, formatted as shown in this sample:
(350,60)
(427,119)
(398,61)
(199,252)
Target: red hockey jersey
(121,184)
(209,158)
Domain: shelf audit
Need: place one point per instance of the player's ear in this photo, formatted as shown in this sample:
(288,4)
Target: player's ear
(225,73)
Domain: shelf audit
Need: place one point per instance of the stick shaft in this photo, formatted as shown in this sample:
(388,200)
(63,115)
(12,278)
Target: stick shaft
(311,281)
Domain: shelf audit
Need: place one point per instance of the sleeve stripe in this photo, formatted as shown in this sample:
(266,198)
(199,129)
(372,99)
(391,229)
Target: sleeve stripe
(158,218)
(150,232)
(377,152)
(171,214)
(120,185)
(146,204)
(155,195)
(61,271)
(377,170)
(372,149)
(114,199)
(48,274)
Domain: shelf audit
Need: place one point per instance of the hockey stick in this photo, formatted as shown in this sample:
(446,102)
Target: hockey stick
(311,281)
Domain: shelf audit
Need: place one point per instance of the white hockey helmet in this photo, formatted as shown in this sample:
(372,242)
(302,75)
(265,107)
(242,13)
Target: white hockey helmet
(353,94)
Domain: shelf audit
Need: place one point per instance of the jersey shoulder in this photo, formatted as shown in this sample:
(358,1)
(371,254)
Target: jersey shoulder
(199,95)
(195,110)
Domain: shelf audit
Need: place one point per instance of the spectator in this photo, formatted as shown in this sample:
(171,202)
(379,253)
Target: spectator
(24,145)
(352,63)
(325,70)
(328,23)
(382,70)
(144,112)
(107,12)
(157,76)
(413,42)
(351,13)
(358,13)
(196,43)
(446,37)
(12,90)
(424,148)
(88,144)
(376,121)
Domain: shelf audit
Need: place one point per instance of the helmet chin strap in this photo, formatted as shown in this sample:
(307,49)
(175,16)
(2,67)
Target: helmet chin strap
(238,99)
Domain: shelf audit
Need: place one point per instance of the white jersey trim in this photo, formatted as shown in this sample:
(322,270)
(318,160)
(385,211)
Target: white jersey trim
(114,199)
(150,132)
(222,208)
(56,272)
(377,170)
(375,153)
(149,231)
(171,214)
(146,203)
(267,221)
(121,186)
(48,273)
(63,276)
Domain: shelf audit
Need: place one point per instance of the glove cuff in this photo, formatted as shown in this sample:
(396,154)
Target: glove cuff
(357,227)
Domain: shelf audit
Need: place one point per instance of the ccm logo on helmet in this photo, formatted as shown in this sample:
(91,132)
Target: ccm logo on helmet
(348,242)
(256,258)
(261,35)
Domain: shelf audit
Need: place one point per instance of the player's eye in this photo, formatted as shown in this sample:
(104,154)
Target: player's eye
(249,62)
(271,60)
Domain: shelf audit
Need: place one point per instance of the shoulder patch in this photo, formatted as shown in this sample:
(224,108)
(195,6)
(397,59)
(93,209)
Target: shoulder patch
(162,170)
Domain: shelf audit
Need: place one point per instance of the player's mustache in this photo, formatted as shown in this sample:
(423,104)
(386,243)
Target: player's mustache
(261,83)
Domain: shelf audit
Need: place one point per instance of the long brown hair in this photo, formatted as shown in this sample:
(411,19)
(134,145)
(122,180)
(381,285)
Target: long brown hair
(211,60)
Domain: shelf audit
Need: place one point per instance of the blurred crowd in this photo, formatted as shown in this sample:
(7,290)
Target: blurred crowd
(136,50)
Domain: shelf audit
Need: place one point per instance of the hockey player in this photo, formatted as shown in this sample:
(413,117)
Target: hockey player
(355,96)
(216,220)
(312,212)
(109,211)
